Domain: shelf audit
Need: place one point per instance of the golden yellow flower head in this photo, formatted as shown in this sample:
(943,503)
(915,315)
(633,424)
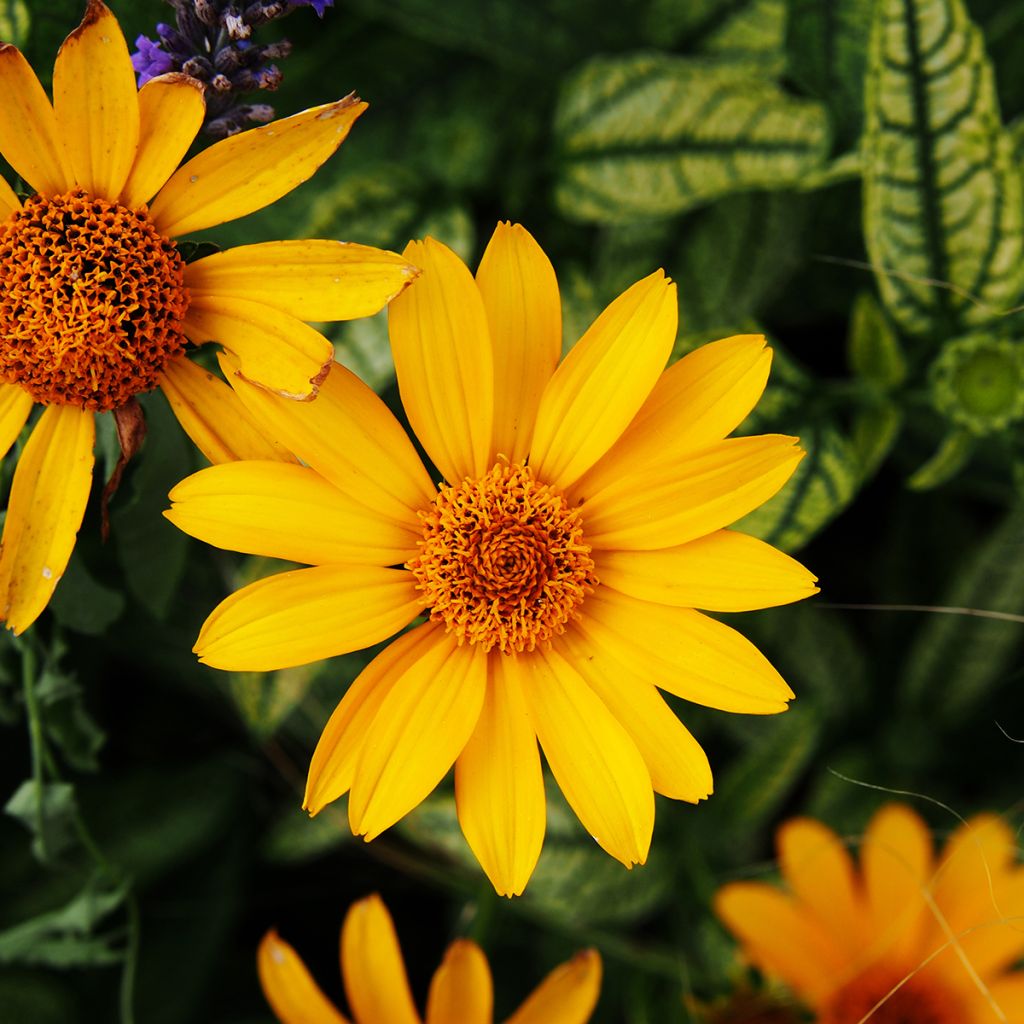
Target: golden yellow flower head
(579,522)
(378,989)
(907,939)
(98,303)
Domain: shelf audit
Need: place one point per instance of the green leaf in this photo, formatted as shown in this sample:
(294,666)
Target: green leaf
(950,457)
(876,428)
(265,699)
(14,22)
(957,661)
(66,721)
(874,346)
(649,135)
(295,837)
(943,197)
(363,347)
(84,605)
(47,810)
(822,486)
(827,41)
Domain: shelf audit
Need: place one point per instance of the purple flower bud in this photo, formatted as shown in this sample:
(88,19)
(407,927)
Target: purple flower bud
(149,60)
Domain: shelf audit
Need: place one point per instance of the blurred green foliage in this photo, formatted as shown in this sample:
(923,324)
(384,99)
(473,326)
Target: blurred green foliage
(842,175)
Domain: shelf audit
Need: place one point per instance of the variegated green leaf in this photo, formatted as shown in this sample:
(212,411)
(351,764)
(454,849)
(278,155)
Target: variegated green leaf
(649,135)
(943,204)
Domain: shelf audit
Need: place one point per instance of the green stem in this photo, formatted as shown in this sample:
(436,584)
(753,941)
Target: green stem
(131,959)
(36,739)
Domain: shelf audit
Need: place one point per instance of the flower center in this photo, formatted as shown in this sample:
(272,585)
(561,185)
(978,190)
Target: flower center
(503,561)
(92,302)
(917,1001)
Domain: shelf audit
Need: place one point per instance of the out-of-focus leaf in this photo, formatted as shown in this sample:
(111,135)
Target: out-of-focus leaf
(950,457)
(957,661)
(83,604)
(363,347)
(14,22)
(822,486)
(451,225)
(47,810)
(64,937)
(66,722)
(943,198)
(827,41)
(37,997)
(265,699)
(649,135)
(874,432)
(734,255)
(150,549)
(874,346)
(296,837)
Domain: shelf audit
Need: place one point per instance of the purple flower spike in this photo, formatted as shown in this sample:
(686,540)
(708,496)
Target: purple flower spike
(150,61)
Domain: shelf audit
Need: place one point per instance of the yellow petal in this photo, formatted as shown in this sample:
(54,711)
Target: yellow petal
(670,504)
(442,351)
(423,725)
(97,103)
(288,986)
(678,765)
(171,111)
(48,499)
(604,381)
(461,991)
(15,405)
(371,962)
(697,401)
(896,857)
(310,280)
(282,510)
(9,202)
(29,139)
(334,761)
(685,653)
(214,417)
(499,787)
(818,869)
(524,314)
(567,995)
(592,757)
(297,617)
(781,938)
(723,572)
(274,349)
(349,436)
(253,169)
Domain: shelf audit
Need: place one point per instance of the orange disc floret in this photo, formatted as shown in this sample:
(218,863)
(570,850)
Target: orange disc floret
(503,561)
(888,997)
(92,304)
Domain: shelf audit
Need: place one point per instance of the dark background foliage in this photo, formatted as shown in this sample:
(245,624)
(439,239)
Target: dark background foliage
(861,204)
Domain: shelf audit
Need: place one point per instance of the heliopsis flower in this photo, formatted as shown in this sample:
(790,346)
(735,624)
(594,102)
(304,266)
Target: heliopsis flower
(907,939)
(378,990)
(97,301)
(579,522)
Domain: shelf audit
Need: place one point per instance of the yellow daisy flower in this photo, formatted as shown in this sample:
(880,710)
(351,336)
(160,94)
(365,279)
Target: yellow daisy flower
(97,301)
(559,566)
(378,989)
(907,938)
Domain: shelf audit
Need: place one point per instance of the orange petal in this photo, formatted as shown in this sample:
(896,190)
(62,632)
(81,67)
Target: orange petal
(298,617)
(15,405)
(214,417)
(96,102)
(349,436)
(171,111)
(524,314)
(499,787)
(29,139)
(371,962)
(697,401)
(604,381)
(567,995)
(334,761)
(668,505)
(423,725)
(9,202)
(48,498)
(251,170)
(310,280)
(274,349)
(593,759)
(288,986)
(442,350)
(461,990)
